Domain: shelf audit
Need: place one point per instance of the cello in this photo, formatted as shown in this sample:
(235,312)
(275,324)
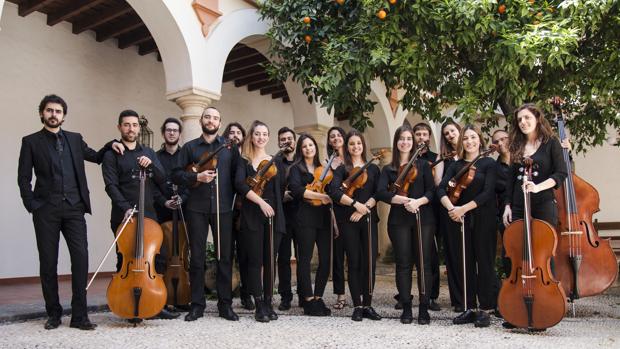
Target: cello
(137,291)
(585,264)
(530,297)
(176,240)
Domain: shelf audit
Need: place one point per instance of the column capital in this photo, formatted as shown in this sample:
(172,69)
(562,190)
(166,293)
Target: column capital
(193,105)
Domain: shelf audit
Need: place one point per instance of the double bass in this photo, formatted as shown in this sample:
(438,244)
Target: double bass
(585,264)
(177,243)
(530,297)
(137,291)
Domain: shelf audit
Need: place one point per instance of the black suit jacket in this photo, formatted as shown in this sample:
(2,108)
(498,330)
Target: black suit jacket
(34,154)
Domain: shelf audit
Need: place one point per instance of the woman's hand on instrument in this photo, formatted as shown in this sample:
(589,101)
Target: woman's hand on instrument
(530,187)
(361,208)
(456,213)
(144,161)
(118,147)
(325,199)
(413,205)
(267,209)
(400,200)
(129,214)
(206,176)
(566,144)
(356,216)
(507,216)
(172,204)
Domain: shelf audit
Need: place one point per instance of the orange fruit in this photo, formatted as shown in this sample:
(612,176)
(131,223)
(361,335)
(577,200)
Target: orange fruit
(531,2)
(392,2)
(308,38)
(539,14)
(340,2)
(382,14)
(307,20)
(501,9)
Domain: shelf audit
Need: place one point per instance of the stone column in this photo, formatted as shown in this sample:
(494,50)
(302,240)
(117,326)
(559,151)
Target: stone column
(192,103)
(383,209)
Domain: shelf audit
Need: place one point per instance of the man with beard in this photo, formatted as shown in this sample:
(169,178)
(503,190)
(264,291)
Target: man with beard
(58,203)
(286,136)
(202,211)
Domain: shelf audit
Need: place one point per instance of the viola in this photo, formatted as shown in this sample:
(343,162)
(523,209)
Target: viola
(176,241)
(208,160)
(407,173)
(137,291)
(323,175)
(585,264)
(266,170)
(358,176)
(531,298)
(463,178)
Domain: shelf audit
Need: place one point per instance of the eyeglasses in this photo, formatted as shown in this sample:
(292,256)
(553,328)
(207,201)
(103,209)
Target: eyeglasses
(171,130)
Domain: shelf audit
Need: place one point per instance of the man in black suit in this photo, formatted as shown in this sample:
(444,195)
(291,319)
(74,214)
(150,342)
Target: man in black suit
(58,203)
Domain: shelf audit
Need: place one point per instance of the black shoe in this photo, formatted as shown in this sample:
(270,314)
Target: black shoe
(194,314)
(261,314)
(166,314)
(247,303)
(285,304)
(398,305)
(52,323)
(309,307)
(466,317)
(134,321)
(370,313)
(84,325)
(358,314)
(434,306)
(482,319)
(423,317)
(322,309)
(407,316)
(498,314)
(507,325)
(459,309)
(300,301)
(182,308)
(226,311)
(271,313)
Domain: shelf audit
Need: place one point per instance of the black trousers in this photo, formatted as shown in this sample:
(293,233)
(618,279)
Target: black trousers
(480,247)
(49,220)
(284,262)
(450,258)
(242,261)
(338,265)
(360,247)
(257,246)
(307,237)
(546,210)
(405,243)
(198,225)
(434,261)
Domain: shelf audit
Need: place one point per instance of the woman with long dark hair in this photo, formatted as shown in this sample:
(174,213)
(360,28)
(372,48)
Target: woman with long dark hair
(357,218)
(403,224)
(474,209)
(260,215)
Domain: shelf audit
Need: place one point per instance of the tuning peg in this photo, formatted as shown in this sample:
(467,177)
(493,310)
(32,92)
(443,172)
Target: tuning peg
(535,173)
(521,169)
(519,177)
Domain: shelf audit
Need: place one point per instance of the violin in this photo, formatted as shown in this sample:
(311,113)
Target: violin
(358,176)
(407,173)
(176,240)
(585,264)
(441,159)
(266,170)
(323,175)
(463,178)
(531,298)
(208,160)
(137,291)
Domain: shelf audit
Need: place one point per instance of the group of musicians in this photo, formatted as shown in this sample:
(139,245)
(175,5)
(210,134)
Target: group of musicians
(258,227)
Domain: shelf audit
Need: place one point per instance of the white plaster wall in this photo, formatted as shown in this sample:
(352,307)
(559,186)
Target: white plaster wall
(98,81)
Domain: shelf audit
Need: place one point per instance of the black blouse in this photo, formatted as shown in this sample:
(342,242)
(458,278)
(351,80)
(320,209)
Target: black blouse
(482,188)
(251,213)
(306,215)
(549,163)
(422,186)
(363,194)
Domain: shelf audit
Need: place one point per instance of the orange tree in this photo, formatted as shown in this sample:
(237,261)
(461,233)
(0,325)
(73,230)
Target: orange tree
(481,56)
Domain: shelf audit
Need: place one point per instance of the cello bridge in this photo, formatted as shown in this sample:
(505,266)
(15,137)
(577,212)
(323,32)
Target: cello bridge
(138,270)
(579,232)
(528,276)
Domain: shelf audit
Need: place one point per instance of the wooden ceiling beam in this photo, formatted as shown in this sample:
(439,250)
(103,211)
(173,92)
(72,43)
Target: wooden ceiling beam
(245,63)
(241,53)
(102,18)
(70,11)
(251,79)
(262,84)
(28,7)
(280,94)
(105,34)
(147,47)
(286,99)
(135,37)
(252,70)
(274,89)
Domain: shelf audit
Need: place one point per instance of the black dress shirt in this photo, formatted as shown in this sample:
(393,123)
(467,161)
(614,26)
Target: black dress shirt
(307,215)
(65,186)
(203,197)
(164,192)
(481,189)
